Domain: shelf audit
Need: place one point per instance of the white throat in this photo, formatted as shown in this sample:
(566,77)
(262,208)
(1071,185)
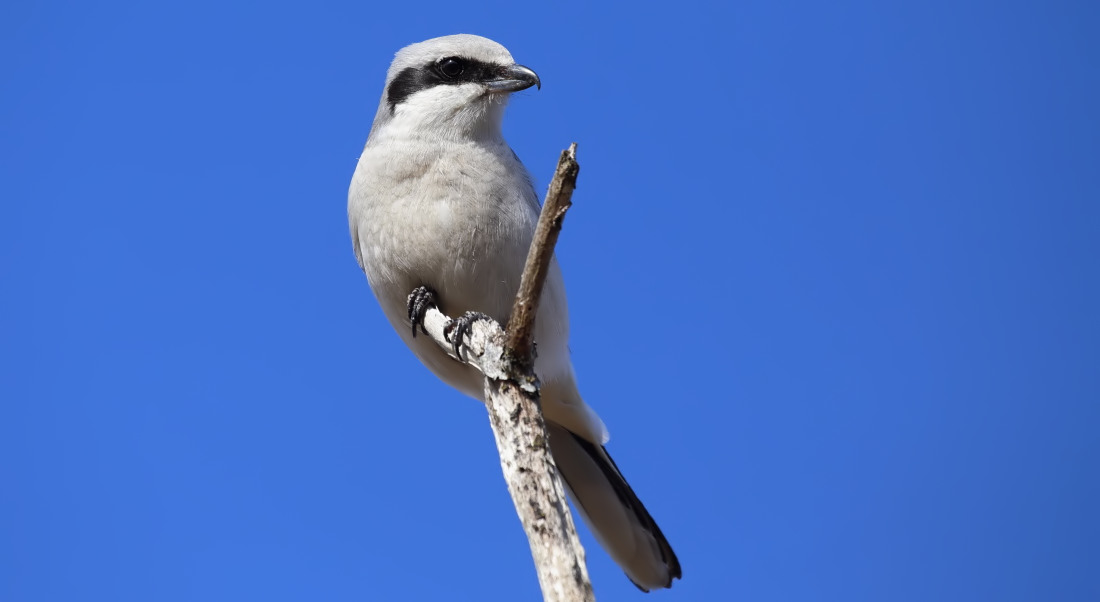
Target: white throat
(451,113)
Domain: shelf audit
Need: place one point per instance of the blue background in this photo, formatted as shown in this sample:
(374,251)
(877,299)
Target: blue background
(833,271)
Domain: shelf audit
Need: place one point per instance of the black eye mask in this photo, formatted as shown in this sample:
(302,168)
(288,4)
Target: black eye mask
(449,71)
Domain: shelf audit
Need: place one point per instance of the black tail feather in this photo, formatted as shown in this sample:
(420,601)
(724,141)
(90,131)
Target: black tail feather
(630,500)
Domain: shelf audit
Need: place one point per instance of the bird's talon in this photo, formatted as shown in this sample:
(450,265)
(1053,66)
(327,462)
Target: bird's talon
(459,328)
(420,300)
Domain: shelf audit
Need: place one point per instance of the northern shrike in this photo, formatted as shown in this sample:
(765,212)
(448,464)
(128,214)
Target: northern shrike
(440,203)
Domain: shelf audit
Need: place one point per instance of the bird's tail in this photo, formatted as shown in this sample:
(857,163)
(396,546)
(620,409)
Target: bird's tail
(612,511)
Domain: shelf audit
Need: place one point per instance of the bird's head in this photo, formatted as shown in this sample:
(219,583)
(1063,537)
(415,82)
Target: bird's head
(452,87)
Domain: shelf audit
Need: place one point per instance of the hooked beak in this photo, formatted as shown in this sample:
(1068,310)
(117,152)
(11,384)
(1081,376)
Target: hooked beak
(514,79)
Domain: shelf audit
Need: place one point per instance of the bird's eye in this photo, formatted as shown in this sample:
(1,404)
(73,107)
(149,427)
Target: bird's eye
(452,67)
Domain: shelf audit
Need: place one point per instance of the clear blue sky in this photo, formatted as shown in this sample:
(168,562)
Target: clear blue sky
(834,272)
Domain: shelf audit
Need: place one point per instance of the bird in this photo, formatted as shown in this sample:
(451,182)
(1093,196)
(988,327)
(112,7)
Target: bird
(441,207)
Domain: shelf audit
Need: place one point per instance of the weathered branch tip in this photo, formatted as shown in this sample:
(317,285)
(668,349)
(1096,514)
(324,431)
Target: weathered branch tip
(521,325)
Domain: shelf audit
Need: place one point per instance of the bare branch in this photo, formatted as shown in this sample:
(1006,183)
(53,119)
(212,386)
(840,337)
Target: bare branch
(521,325)
(515,411)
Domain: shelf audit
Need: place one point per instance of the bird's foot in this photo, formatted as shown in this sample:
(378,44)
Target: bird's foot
(457,329)
(420,300)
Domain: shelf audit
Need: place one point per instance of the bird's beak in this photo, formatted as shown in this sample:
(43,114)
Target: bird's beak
(513,79)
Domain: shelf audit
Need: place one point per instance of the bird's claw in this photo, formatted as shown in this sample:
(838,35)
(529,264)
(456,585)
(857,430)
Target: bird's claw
(420,300)
(457,329)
